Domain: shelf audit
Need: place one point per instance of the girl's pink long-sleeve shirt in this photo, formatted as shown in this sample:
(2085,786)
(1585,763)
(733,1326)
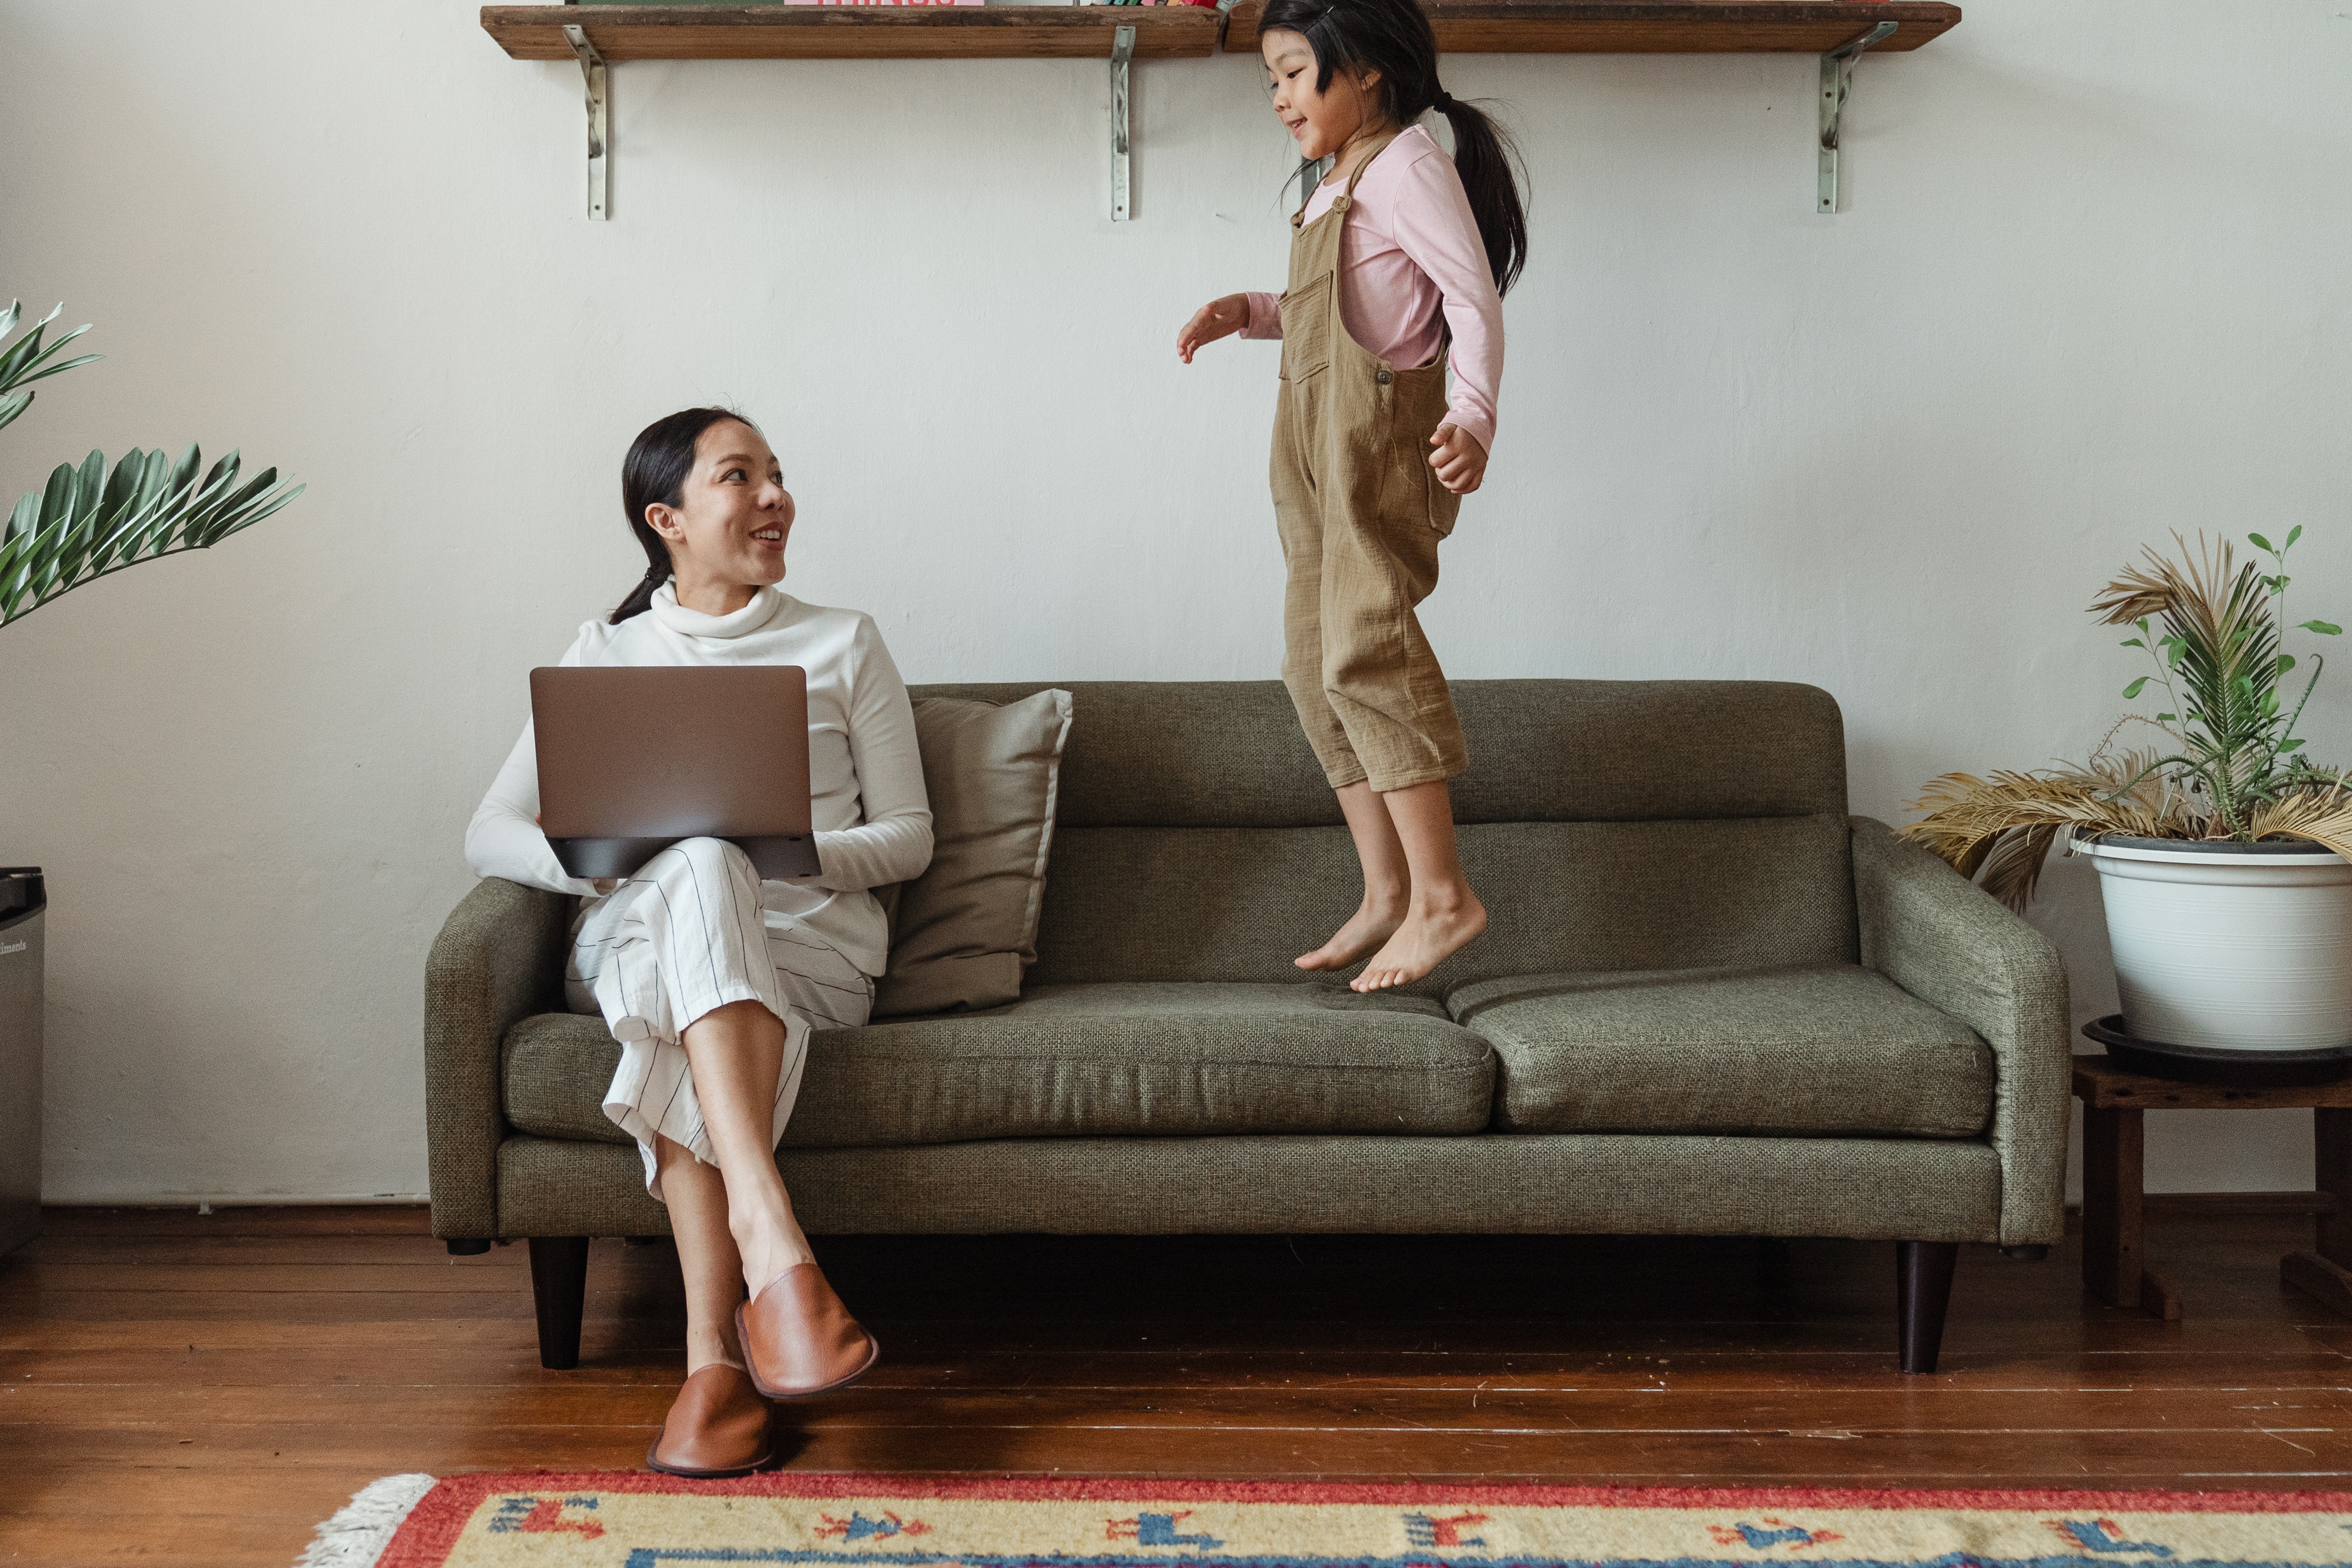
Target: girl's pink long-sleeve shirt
(1411,263)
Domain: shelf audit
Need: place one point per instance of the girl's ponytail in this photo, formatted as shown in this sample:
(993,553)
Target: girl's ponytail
(1486,158)
(1393,37)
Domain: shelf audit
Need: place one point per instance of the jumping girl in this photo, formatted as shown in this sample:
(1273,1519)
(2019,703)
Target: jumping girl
(1398,255)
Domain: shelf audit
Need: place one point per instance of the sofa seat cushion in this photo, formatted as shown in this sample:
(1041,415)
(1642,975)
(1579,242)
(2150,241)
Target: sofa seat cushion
(1109,1060)
(1826,1050)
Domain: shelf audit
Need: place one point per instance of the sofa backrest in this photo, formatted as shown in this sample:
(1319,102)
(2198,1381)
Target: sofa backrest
(1609,824)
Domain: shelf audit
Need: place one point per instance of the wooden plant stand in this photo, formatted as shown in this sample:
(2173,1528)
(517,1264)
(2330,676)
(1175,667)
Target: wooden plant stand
(2113,1240)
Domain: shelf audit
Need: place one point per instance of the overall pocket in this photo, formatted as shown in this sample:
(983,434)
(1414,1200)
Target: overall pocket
(1445,506)
(1421,408)
(1307,328)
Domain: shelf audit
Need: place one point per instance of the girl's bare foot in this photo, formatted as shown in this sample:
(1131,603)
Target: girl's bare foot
(1429,935)
(1370,925)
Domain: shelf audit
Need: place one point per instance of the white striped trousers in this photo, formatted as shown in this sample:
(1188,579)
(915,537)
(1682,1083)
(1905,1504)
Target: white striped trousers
(683,936)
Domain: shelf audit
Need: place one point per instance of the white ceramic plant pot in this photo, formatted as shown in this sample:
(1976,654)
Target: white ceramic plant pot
(2229,946)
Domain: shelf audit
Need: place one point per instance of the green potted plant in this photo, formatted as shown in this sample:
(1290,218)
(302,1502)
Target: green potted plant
(91,521)
(2224,854)
(86,522)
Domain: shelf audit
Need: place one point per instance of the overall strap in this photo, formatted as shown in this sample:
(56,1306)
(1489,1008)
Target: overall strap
(1367,164)
(1349,192)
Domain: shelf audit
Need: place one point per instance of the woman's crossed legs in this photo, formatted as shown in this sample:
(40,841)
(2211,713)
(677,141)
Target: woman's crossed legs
(732,1221)
(714,1001)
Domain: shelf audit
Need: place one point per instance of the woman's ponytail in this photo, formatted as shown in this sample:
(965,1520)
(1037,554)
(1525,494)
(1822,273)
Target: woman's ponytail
(1393,37)
(655,473)
(641,597)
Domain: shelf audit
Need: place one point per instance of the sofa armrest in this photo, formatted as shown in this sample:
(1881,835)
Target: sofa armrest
(1954,947)
(498,959)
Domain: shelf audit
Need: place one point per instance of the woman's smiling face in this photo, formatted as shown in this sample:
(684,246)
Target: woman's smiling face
(1319,121)
(734,516)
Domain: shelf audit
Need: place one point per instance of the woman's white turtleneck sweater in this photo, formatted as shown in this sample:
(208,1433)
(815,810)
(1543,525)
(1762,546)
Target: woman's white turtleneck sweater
(872,817)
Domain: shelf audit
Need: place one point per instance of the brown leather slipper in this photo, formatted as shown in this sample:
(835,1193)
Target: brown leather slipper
(718,1428)
(799,1341)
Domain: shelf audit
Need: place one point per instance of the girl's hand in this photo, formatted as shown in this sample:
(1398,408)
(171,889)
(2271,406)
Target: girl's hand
(1217,319)
(1460,461)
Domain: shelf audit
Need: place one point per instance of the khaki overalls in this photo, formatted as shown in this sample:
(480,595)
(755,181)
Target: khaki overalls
(1360,512)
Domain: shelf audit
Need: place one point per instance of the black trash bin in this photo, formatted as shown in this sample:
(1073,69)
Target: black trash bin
(23,897)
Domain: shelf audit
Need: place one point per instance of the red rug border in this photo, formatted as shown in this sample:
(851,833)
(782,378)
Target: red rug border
(426,1537)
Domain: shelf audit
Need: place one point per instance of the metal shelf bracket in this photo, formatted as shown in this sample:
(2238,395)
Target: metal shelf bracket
(600,119)
(1837,82)
(1122,52)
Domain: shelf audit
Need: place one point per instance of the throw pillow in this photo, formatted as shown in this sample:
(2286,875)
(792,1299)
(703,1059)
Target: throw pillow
(964,931)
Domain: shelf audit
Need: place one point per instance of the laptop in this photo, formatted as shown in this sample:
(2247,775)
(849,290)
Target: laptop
(633,759)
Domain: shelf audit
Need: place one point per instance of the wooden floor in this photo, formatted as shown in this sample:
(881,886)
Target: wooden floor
(201,1390)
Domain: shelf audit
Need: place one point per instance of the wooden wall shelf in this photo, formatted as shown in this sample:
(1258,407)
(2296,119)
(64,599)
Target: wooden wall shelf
(1654,26)
(599,35)
(623,32)
(1174,32)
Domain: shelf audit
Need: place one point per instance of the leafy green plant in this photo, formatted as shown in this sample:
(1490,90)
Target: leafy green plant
(2219,659)
(2229,765)
(90,520)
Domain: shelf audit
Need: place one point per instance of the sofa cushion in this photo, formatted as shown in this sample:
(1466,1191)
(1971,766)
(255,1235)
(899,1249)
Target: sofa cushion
(1831,1048)
(1080,1061)
(1609,824)
(1237,904)
(963,932)
(1229,753)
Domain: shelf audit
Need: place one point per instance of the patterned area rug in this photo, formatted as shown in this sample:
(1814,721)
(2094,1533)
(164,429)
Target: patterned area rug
(641,1520)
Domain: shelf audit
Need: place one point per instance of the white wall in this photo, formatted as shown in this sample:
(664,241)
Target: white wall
(2091,288)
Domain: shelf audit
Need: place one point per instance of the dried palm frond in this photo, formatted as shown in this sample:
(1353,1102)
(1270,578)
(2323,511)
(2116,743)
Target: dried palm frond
(2190,584)
(2322,815)
(2216,608)
(2004,826)
(2218,660)
(2225,772)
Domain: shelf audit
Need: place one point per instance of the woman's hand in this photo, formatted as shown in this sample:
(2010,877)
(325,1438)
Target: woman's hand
(603,885)
(1217,319)
(1460,461)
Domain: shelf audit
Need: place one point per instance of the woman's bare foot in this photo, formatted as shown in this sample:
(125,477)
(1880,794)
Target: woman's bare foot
(711,1344)
(1430,933)
(1371,924)
(770,1245)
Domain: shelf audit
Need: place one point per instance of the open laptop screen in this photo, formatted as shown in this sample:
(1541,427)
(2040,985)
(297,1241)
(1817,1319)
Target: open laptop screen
(634,758)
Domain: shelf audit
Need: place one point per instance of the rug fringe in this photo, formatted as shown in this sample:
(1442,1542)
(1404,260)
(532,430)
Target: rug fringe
(358,1534)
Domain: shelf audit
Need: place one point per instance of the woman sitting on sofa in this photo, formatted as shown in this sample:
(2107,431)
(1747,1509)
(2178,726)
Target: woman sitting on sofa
(712,979)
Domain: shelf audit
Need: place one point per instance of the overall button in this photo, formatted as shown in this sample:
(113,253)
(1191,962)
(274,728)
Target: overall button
(1340,204)
(1384,377)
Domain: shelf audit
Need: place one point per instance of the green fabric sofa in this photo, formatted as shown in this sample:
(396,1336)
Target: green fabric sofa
(1708,1001)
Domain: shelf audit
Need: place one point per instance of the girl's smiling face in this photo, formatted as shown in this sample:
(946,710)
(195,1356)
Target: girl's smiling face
(733,517)
(1320,122)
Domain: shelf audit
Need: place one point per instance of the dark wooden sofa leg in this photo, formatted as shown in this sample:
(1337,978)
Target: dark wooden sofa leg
(559,1291)
(1923,1290)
